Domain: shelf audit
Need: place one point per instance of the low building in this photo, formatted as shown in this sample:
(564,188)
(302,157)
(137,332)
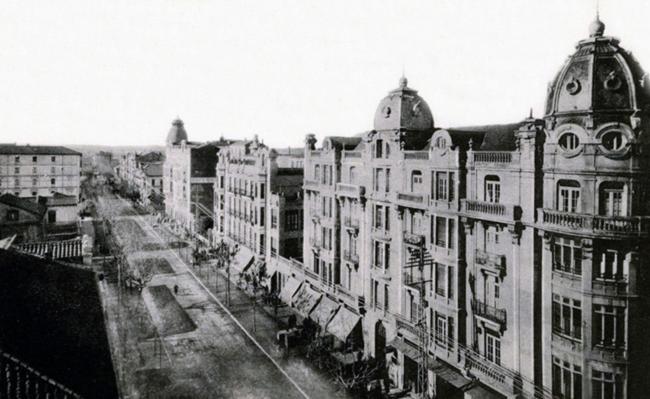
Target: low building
(22,217)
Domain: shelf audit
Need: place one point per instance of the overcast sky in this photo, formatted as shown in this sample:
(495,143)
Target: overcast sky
(118,72)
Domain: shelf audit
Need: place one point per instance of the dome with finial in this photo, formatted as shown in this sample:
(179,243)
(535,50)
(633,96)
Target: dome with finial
(177,132)
(599,76)
(403,109)
(596,28)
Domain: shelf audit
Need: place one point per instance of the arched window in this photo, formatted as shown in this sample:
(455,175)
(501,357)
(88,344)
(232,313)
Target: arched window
(416,180)
(492,189)
(568,196)
(612,199)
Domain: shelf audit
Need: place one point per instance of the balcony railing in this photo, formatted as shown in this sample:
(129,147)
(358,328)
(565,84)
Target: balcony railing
(413,277)
(350,222)
(350,190)
(412,199)
(413,239)
(488,210)
(350,256)
(351,154)
(310,183)
(316,243)
(489,312)
(494,261)
(594,224)
(344,293)
(422,155)
(495,157)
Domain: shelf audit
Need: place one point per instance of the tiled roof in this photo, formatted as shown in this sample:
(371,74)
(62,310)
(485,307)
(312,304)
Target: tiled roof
(11,149)
(58,199)
(26,204)
(57,249)
(495,137)
(153,169)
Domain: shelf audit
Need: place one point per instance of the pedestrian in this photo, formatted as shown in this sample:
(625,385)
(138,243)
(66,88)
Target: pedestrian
(175,289)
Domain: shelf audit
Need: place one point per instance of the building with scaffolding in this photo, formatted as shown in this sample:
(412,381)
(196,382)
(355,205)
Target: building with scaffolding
(494,261)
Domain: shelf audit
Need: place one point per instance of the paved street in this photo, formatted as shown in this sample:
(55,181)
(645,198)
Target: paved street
(207,350)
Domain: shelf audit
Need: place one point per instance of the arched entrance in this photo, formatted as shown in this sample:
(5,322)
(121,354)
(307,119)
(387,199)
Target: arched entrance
(380,342)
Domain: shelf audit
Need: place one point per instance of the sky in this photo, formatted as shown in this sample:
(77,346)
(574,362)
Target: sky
(118,72)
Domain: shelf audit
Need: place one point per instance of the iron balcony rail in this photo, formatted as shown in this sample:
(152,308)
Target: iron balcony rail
(489,312)
(595,224)
(413,239)
(412,199)
(412,277)
(351,154)
(423,155)
(350,222)
(17,379)
(350,190)
(497,262)
(350,256)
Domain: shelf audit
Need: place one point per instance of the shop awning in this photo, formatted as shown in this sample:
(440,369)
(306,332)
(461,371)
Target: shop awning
(324,311)
(406,348)
(343,322)
(451,375)
(305,299)
(289,289)
(243,259)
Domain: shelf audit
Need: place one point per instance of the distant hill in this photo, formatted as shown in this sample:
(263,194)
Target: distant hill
(89,150)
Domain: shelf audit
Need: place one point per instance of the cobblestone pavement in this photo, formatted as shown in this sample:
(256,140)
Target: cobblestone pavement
(221,358)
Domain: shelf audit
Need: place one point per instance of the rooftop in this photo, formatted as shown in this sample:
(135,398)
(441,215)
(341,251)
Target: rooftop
(15,149)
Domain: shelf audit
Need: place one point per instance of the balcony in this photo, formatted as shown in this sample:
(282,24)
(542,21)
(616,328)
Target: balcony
(353,191)
(413,239)
(351,257)
(315,243)
(489,372)
(315,215)
(351,154)
(495,158)
(419,155)
(351,223)
(489,211)
(490,261)
(412,200)
(344,294)
(489,312)
(595,225)
(413,277)
(310,183)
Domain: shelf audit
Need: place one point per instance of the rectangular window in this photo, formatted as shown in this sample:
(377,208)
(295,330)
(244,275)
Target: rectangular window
(612,202)
(567,317)
(609,326)
(53,159)
(379,148)
(441,279)
(569,199)
(441,331)
(34,159)
(611,266)
(492,190)
(387,180)
(379,254)
(441,186)
(606,385)
(386,297)
(567,380)
(17,170)
(441,231)
(492,348)
(17,159)
(567,256)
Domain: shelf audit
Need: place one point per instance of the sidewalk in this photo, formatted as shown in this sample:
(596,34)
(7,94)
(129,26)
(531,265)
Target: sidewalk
(265,328)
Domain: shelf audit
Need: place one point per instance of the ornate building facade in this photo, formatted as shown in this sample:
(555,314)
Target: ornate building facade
(495,261)
(189,178)
(258,202)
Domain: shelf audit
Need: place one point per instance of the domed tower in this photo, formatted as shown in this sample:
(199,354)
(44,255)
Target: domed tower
(176,133)
(595,222)
(403,109)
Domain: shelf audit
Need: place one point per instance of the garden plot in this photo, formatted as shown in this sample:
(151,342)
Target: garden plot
(167,314)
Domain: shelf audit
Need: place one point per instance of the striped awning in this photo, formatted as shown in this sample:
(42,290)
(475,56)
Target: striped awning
(57,249)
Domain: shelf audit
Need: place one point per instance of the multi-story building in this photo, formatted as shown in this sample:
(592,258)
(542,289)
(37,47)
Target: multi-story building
(188,179)
(495,261)
(39,171)
(258,201)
